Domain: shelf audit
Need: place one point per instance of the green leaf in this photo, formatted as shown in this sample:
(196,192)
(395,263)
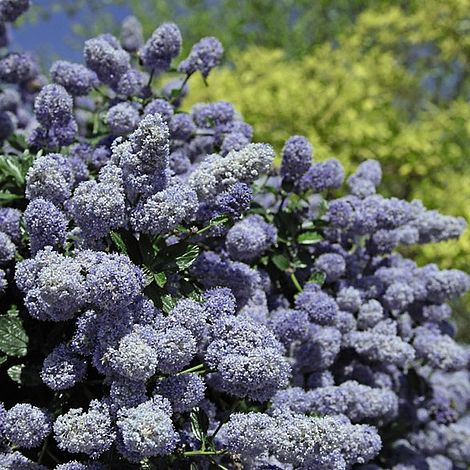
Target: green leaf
(13,337)
(25,375)
(195,428)
(319,223)
(160,279)
(14,168)
(281,261)
(168,303)
(7,196)
(259,210)
(264,260)
(308,225)
(199,423)
(182,228)
(11,168)
(148,275)
(18,142)
(309,238)
(271,189)
(322,208)
(185,260)
(298,264)
(196,296)
(220,219)
(295,202)
(13,310)
(14,372)
(118,241)
(3,359)
(145,464)
(317,278)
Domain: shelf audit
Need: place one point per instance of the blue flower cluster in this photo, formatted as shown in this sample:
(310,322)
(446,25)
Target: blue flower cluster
(179,301)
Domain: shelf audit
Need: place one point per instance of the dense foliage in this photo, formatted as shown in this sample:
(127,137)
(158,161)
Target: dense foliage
(293,25)
(170,299)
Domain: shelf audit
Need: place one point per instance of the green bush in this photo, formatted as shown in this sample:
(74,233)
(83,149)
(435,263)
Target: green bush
(293,25)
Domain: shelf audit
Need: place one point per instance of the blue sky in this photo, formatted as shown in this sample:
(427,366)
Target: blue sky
(53,37)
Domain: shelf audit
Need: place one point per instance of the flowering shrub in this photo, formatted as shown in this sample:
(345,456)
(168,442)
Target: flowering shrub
(393,86)
(172,300)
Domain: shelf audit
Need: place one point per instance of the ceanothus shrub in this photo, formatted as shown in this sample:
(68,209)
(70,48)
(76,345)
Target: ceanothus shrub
(170,299)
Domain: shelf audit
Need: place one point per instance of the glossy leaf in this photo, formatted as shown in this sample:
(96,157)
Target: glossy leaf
(317,278)
(160,279)
(309,238)
(118,241)
(281,261)
(13,337)
(185,260)
(168,303)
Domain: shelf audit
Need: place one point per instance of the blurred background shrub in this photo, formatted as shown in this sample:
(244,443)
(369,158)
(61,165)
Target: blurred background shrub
(295,26)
